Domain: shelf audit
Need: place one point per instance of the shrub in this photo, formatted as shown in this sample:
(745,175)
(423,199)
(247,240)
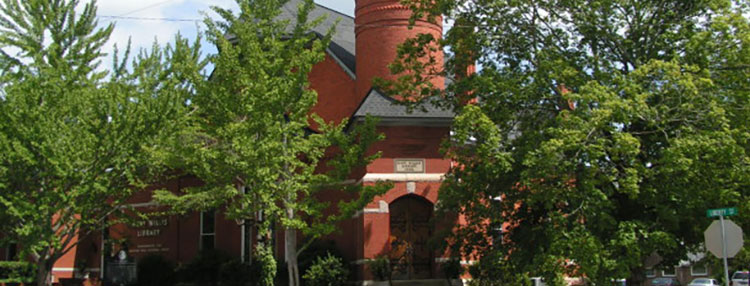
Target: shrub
(380,268)
(494,271)
(317,249)
(204,268)
(452,269)
(235,273)
(155,270)
(326,271)
(17,272)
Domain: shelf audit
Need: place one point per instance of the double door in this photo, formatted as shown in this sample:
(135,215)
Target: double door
(411,228)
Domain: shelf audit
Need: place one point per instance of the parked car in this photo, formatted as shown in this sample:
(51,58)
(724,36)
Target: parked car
(704,282)
(740,278)
(663,281)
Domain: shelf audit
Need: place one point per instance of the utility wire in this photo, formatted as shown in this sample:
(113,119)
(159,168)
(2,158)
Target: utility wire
(150,18)
(146,8)
(134,18)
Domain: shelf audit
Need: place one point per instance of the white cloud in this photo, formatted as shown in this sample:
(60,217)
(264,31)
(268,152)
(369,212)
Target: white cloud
(150,20)
(144,30)
(139,7)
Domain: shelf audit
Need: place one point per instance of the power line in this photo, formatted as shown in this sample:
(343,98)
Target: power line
(134,18)
(149,18)
(146,8)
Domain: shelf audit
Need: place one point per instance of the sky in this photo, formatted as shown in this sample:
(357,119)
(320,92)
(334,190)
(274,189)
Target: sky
(144,21)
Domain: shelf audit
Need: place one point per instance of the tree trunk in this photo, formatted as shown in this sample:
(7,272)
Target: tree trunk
(637,277)
(290,239)
(44,272)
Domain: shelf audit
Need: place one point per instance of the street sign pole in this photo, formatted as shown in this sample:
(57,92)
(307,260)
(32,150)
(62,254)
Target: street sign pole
(724,250)
(723,237)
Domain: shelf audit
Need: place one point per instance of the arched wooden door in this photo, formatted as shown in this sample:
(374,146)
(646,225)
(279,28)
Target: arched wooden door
(411,228)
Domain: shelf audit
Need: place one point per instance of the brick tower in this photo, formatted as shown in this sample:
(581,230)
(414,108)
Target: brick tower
(380,26)
(398,224)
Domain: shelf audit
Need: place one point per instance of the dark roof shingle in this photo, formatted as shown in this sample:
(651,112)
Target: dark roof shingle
(342,44)
(343,47)
(378,105)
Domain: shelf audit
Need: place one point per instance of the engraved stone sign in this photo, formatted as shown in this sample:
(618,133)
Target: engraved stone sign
(409,165)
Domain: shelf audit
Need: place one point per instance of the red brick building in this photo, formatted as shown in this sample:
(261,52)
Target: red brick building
(397,224)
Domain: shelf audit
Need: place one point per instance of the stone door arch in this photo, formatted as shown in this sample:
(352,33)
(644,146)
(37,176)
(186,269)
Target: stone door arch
(410,229)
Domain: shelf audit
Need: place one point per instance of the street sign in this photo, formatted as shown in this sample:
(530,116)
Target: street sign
(733,236)
(723,237)
(721,212)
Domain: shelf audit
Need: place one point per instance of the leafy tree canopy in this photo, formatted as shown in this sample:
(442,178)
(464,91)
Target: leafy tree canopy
(255,142)
(76,141)
(598,133)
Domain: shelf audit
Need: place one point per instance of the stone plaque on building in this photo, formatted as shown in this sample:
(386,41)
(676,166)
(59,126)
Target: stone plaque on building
(409,165)
(146,235)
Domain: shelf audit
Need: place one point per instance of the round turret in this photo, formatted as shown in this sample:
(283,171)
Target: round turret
(380,26)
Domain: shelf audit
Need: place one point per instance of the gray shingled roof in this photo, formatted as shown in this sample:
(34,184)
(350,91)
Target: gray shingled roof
(378,105)
(342,44)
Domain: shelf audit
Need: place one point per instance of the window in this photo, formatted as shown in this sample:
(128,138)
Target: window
(699,269)
(11,252)
(497,233)
(650,272)
(208,232)
(669,272)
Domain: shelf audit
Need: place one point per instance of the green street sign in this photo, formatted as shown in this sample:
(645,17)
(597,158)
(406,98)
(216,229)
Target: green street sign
(721,212)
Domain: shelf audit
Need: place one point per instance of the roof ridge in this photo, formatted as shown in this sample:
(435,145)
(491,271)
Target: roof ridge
(378,104)
(334,11)
(393,99)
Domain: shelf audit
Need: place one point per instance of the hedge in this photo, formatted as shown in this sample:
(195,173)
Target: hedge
(17,272)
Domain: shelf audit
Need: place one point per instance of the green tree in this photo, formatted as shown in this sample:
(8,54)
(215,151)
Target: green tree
(255,142)
(602,130)
(76,141)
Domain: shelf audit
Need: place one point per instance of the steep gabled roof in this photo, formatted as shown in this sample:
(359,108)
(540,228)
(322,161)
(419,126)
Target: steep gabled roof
(391,112)
(342,44)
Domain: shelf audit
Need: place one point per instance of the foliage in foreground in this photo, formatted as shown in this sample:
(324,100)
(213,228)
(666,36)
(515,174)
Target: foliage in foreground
(75,142)
(17,272)
(602,132)
(380,268)
(327,270)
(255,142)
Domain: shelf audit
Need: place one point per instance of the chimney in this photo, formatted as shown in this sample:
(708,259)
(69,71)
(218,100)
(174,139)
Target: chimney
(380,26)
